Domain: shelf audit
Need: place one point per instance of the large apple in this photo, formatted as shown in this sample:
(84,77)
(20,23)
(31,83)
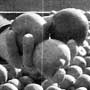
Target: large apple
(69,24)
(47,55)
(29,23)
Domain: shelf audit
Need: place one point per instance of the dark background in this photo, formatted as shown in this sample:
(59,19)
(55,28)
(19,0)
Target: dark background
(45,5)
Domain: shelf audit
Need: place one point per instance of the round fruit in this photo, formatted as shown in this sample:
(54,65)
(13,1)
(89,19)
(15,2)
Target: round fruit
(80,61)
(47,56)
(29,23)
(75,71)
(53,88)
(59,76)
(3,74)
(83,81)
(70,23)
(15,82)
(8,86)
(67,82)
(33,86)
(26,80)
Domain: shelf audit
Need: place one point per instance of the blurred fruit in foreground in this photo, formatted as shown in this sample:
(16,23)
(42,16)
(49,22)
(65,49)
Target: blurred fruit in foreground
(75,71)
(47,56)
(70,23)
(82,88)
(80,61)
(33,86)
(67,82)
(3,74)
(15,82)
(8,86)
(53,88)
(83,81)
(29,23)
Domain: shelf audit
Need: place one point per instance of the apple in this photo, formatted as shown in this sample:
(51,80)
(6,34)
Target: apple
(47,55)
(79,61)
(70,23)
(68,81)
(75,71)
(25,80)
(29,23)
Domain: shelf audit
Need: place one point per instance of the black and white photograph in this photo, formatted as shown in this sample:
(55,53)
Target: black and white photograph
(44,44)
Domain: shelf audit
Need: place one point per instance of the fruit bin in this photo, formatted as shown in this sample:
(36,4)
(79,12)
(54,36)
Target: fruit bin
(12,15)
(66,63)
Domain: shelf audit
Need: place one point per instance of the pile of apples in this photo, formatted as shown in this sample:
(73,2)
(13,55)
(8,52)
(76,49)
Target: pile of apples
(47,52)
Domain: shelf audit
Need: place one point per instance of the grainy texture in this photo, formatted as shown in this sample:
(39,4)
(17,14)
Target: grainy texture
(39,5)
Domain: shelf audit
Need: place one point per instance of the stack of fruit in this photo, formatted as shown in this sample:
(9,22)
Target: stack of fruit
(47,52)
